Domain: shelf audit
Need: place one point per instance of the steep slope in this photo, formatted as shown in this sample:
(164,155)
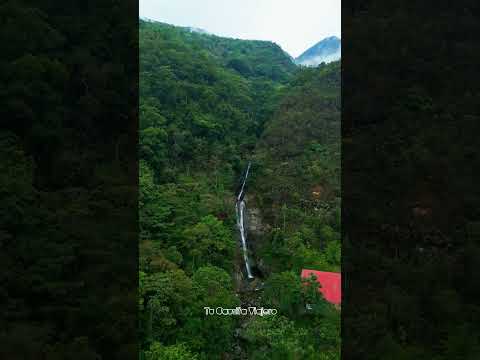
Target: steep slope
(298,176)
(296,188)
(327,50)
(207,106)
(202,95)
(200,117)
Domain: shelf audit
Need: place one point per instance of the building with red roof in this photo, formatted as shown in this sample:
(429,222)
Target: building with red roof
(330,284)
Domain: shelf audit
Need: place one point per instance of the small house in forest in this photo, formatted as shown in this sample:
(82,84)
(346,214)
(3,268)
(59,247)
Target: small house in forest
(330,284)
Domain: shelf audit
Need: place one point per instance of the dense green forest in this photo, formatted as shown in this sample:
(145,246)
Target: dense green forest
(208,105)
(68,220)
(410,191)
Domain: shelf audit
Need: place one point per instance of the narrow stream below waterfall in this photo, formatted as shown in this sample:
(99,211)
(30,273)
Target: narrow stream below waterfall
(240,208)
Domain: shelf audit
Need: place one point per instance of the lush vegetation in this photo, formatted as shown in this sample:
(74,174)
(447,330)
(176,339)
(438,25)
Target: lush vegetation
(410,194)
(298,173)
(207,105)
(297,187)
(68,216)
(194,108)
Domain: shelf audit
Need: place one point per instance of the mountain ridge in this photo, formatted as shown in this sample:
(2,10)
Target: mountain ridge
(326,50)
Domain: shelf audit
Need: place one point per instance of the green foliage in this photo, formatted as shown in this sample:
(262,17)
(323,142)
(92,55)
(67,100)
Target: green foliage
(172,309)
(212,335)
(318,326)
(206,105)
(68,225)
(202,95)
(297,186)
(157,351)
(298,182)
(277,337)
(209,242)
(284,292)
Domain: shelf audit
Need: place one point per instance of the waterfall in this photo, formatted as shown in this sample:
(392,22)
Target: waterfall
(240,212)
(240,194)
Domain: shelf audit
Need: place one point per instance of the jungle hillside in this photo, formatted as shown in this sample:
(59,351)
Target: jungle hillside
(208,107)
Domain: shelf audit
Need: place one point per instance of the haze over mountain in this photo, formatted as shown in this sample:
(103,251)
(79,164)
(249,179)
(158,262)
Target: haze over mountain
(308,21)
(327,50)
(198,30)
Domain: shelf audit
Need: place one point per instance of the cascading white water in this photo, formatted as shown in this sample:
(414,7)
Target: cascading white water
(240,194)
(240,211)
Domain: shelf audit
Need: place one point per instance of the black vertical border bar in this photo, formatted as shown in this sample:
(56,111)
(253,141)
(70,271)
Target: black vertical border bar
(410,194)
(69,180)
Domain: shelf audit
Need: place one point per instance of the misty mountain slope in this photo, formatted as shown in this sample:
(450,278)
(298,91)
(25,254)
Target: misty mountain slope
(327,50)
(212,94)
(249,58)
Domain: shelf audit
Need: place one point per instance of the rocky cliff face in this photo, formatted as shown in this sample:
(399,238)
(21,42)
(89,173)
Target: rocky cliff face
(257,229)
(255,225)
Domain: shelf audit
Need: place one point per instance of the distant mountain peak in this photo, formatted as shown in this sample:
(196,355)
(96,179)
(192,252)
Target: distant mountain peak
(326,50)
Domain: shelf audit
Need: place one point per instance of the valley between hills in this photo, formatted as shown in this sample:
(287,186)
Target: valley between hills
(209,107)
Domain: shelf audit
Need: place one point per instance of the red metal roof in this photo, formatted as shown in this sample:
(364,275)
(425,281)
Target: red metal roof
(331,284)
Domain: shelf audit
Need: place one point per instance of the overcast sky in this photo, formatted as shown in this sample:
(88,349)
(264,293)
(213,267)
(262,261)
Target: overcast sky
(293,24)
